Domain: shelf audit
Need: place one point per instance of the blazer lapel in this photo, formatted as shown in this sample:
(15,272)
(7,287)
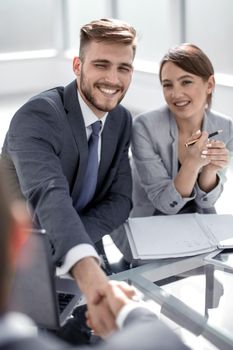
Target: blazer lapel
(75,119)
(174,144)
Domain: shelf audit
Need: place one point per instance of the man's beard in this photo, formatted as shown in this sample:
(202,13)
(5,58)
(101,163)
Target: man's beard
(90,98)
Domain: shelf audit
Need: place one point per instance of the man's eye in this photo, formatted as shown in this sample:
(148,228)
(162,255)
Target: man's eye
(187,82)
(98,65)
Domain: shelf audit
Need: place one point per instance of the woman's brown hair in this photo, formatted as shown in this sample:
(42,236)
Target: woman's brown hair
(191,59)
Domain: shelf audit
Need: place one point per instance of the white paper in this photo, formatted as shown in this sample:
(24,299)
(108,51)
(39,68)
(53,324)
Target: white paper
(157,237)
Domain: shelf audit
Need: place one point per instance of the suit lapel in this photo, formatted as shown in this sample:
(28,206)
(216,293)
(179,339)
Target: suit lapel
(76,122)
(109,139)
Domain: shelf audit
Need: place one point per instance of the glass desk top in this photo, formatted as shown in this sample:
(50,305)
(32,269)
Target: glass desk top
(195,294)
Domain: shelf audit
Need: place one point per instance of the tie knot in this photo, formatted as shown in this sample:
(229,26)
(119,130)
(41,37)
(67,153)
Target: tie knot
(96,127)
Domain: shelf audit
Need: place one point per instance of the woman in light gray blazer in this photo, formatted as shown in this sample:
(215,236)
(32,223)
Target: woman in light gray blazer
(171,177)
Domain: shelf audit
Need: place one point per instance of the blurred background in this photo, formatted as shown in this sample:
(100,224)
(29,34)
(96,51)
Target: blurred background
(38,40)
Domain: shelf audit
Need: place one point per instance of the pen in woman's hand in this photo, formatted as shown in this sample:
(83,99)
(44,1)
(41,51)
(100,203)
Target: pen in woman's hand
(190,143)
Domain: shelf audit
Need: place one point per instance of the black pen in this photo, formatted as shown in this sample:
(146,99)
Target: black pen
(190,143)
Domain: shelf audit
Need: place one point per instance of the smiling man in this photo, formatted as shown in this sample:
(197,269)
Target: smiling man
(67,148)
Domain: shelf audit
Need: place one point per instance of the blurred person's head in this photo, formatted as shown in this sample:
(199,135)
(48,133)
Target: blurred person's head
(14,228)
(104,67)
(191,59)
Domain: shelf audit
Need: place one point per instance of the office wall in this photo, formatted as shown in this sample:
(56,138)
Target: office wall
(38,39)
(34,75)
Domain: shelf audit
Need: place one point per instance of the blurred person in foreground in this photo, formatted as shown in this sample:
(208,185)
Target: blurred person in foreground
(140,327)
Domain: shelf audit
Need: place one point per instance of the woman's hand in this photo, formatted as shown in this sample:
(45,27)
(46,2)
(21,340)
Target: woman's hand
(218,158)
(217,154)
(194,157)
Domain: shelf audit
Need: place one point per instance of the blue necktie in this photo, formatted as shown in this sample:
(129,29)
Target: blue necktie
(90,179)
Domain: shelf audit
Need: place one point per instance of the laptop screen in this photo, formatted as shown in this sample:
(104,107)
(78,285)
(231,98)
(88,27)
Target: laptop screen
(34,291)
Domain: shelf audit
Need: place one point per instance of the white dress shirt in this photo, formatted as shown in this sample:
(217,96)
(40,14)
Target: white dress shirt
(125,310)
(82,250)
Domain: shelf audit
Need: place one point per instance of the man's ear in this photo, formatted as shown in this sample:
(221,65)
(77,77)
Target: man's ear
(20,230)
(77,66)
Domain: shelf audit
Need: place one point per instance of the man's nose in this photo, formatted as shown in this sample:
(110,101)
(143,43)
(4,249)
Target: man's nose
(112,76)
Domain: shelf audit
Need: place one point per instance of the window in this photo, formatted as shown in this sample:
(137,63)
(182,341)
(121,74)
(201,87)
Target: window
(28,25)
(81,12)
(157,23)
(209,25)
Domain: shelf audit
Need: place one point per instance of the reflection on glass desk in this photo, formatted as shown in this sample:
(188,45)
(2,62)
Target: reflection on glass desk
(223,259)
(191,292)
(206,290)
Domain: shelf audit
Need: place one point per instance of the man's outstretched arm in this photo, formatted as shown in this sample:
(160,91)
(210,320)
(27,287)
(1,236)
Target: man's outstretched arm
(139,327)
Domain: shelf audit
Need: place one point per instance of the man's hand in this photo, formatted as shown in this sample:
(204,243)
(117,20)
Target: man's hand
(92,280)
(115,295)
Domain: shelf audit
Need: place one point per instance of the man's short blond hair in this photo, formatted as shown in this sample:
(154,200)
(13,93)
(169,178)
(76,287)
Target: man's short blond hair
(107,30)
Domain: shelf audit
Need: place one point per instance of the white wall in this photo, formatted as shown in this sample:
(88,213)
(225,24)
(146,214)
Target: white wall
(52,26)
(34,75)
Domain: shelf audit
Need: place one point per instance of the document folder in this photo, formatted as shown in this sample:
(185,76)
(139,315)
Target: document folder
(170,236)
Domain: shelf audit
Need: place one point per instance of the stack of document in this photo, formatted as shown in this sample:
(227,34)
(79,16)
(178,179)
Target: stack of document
(170,236)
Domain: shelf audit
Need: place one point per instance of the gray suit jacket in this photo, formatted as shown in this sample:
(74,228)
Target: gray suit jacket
(155,164)
(46,150)
(142,331)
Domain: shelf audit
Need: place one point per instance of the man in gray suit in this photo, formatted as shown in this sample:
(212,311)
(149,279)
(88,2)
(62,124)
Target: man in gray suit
(46,151)
(141,328)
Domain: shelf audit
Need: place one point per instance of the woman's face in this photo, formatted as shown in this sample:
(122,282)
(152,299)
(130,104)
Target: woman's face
(185,93)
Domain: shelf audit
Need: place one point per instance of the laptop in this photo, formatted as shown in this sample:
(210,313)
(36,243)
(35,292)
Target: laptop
(47,299)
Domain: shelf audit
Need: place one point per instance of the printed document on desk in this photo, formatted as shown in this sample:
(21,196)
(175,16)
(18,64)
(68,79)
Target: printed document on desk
(170,236)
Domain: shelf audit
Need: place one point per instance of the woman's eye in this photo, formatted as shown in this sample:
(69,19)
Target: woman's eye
(124,69)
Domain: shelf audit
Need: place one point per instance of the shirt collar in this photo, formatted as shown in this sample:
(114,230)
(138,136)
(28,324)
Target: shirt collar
(88,115)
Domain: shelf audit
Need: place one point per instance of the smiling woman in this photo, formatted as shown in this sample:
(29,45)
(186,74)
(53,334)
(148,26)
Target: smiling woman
(170,178)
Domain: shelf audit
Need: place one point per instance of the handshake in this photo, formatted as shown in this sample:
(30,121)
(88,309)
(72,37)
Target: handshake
(112,299)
